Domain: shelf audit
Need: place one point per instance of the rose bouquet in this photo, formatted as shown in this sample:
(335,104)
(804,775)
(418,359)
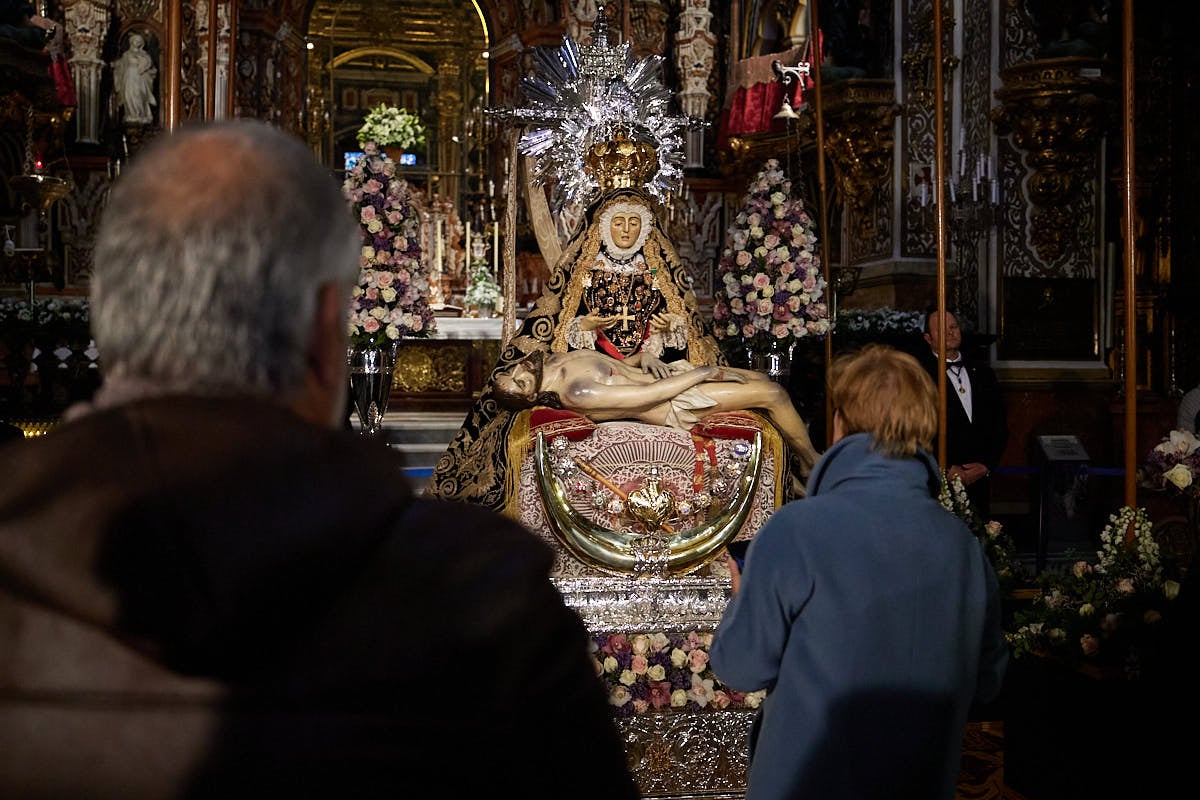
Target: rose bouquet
(649,672)
(388,125)
(391,299)
(1174,465)
(772,290)
(1107,613)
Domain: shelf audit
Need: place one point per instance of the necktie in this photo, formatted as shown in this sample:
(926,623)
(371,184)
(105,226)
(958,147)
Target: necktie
(955,368)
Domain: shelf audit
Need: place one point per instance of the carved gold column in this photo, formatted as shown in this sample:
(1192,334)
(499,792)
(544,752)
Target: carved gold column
(860,113)
(449,109)
(1056,111)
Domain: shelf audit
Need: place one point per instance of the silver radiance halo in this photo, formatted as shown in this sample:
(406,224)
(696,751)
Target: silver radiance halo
(580,96)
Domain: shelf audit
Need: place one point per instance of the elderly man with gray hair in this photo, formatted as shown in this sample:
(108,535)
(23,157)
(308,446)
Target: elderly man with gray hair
(208,589)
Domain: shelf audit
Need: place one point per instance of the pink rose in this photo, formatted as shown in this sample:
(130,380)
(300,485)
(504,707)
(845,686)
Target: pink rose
(743,258)
(1125,586)
(771,241)
(367,214)
(765,307)
(1081,568)
(1089,644)
(720,699)
(640,706)
(639,665)
(761,281)
(779,331)
(793,303)
(697,660)
(370,325)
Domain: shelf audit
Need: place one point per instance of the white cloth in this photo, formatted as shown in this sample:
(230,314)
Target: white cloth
(689,400)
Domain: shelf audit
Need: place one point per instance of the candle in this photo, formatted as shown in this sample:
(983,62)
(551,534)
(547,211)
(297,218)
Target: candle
(924,194)
(467,246)
(992,167)
(975,190)
(953,196)
(437,243)
(496,247)
(995,193)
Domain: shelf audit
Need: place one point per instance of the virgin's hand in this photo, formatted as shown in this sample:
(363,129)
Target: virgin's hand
(661,322)
(596,321)
(729,375)
(654,366)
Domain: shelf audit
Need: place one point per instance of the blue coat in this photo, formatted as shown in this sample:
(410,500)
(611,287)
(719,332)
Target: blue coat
(872,617)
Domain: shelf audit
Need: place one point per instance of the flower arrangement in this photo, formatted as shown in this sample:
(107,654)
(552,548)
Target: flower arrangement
(482,290)
(649,672)
(772,287)
(46,312)
(878,323)
(1174,465)
(1108,613)
(388,125)
(392,296)
(997,545)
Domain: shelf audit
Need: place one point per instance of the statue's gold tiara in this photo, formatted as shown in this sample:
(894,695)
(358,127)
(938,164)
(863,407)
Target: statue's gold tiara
(621,163)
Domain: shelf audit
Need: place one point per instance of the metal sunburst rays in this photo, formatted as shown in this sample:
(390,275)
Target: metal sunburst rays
(580,96)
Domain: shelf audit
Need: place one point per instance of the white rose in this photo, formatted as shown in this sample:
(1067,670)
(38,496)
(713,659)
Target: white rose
(1170,589)
(679,698)
(657,673)
(610,664)
(1179,475)
(678,657)
(627,677)
(754,699)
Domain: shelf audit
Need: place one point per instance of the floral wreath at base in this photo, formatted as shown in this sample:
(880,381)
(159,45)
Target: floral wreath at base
(663,672)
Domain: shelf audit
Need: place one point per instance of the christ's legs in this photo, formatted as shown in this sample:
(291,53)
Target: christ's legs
(761,393)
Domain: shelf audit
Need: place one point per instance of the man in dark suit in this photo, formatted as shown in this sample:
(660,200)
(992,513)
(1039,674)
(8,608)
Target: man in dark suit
(976,424)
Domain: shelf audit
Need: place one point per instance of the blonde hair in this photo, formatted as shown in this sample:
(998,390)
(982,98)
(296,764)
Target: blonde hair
(888,394)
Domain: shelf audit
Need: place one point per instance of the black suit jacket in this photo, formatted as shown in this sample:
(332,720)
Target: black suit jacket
(982,437)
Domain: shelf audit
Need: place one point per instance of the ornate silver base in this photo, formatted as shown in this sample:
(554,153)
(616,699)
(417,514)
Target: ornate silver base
(689,755)
(679,754)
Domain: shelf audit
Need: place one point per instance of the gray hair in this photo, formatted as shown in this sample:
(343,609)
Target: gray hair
(209,258)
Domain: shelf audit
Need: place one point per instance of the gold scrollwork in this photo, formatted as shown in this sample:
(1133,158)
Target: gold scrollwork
(424,368)
(1056,111)
(860,114)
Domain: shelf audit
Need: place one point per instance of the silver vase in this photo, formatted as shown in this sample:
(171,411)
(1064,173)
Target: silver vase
(775,363)
(371,384)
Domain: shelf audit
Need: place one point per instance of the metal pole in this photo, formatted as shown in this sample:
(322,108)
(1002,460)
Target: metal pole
(1127,133)
(814,38)
(939,210)
(210,82)
(171,64)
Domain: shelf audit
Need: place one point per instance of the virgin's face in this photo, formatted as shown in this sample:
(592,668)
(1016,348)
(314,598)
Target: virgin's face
(625,228)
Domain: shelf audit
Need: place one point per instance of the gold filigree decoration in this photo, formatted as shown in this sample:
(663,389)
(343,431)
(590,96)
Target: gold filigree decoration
(1056,111)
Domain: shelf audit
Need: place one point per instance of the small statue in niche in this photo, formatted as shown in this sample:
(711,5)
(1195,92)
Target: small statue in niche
(133,82)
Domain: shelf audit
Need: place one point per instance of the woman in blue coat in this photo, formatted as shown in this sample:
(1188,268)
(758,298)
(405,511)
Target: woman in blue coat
(868,612)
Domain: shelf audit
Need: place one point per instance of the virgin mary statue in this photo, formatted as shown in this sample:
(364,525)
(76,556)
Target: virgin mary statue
(620,288)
